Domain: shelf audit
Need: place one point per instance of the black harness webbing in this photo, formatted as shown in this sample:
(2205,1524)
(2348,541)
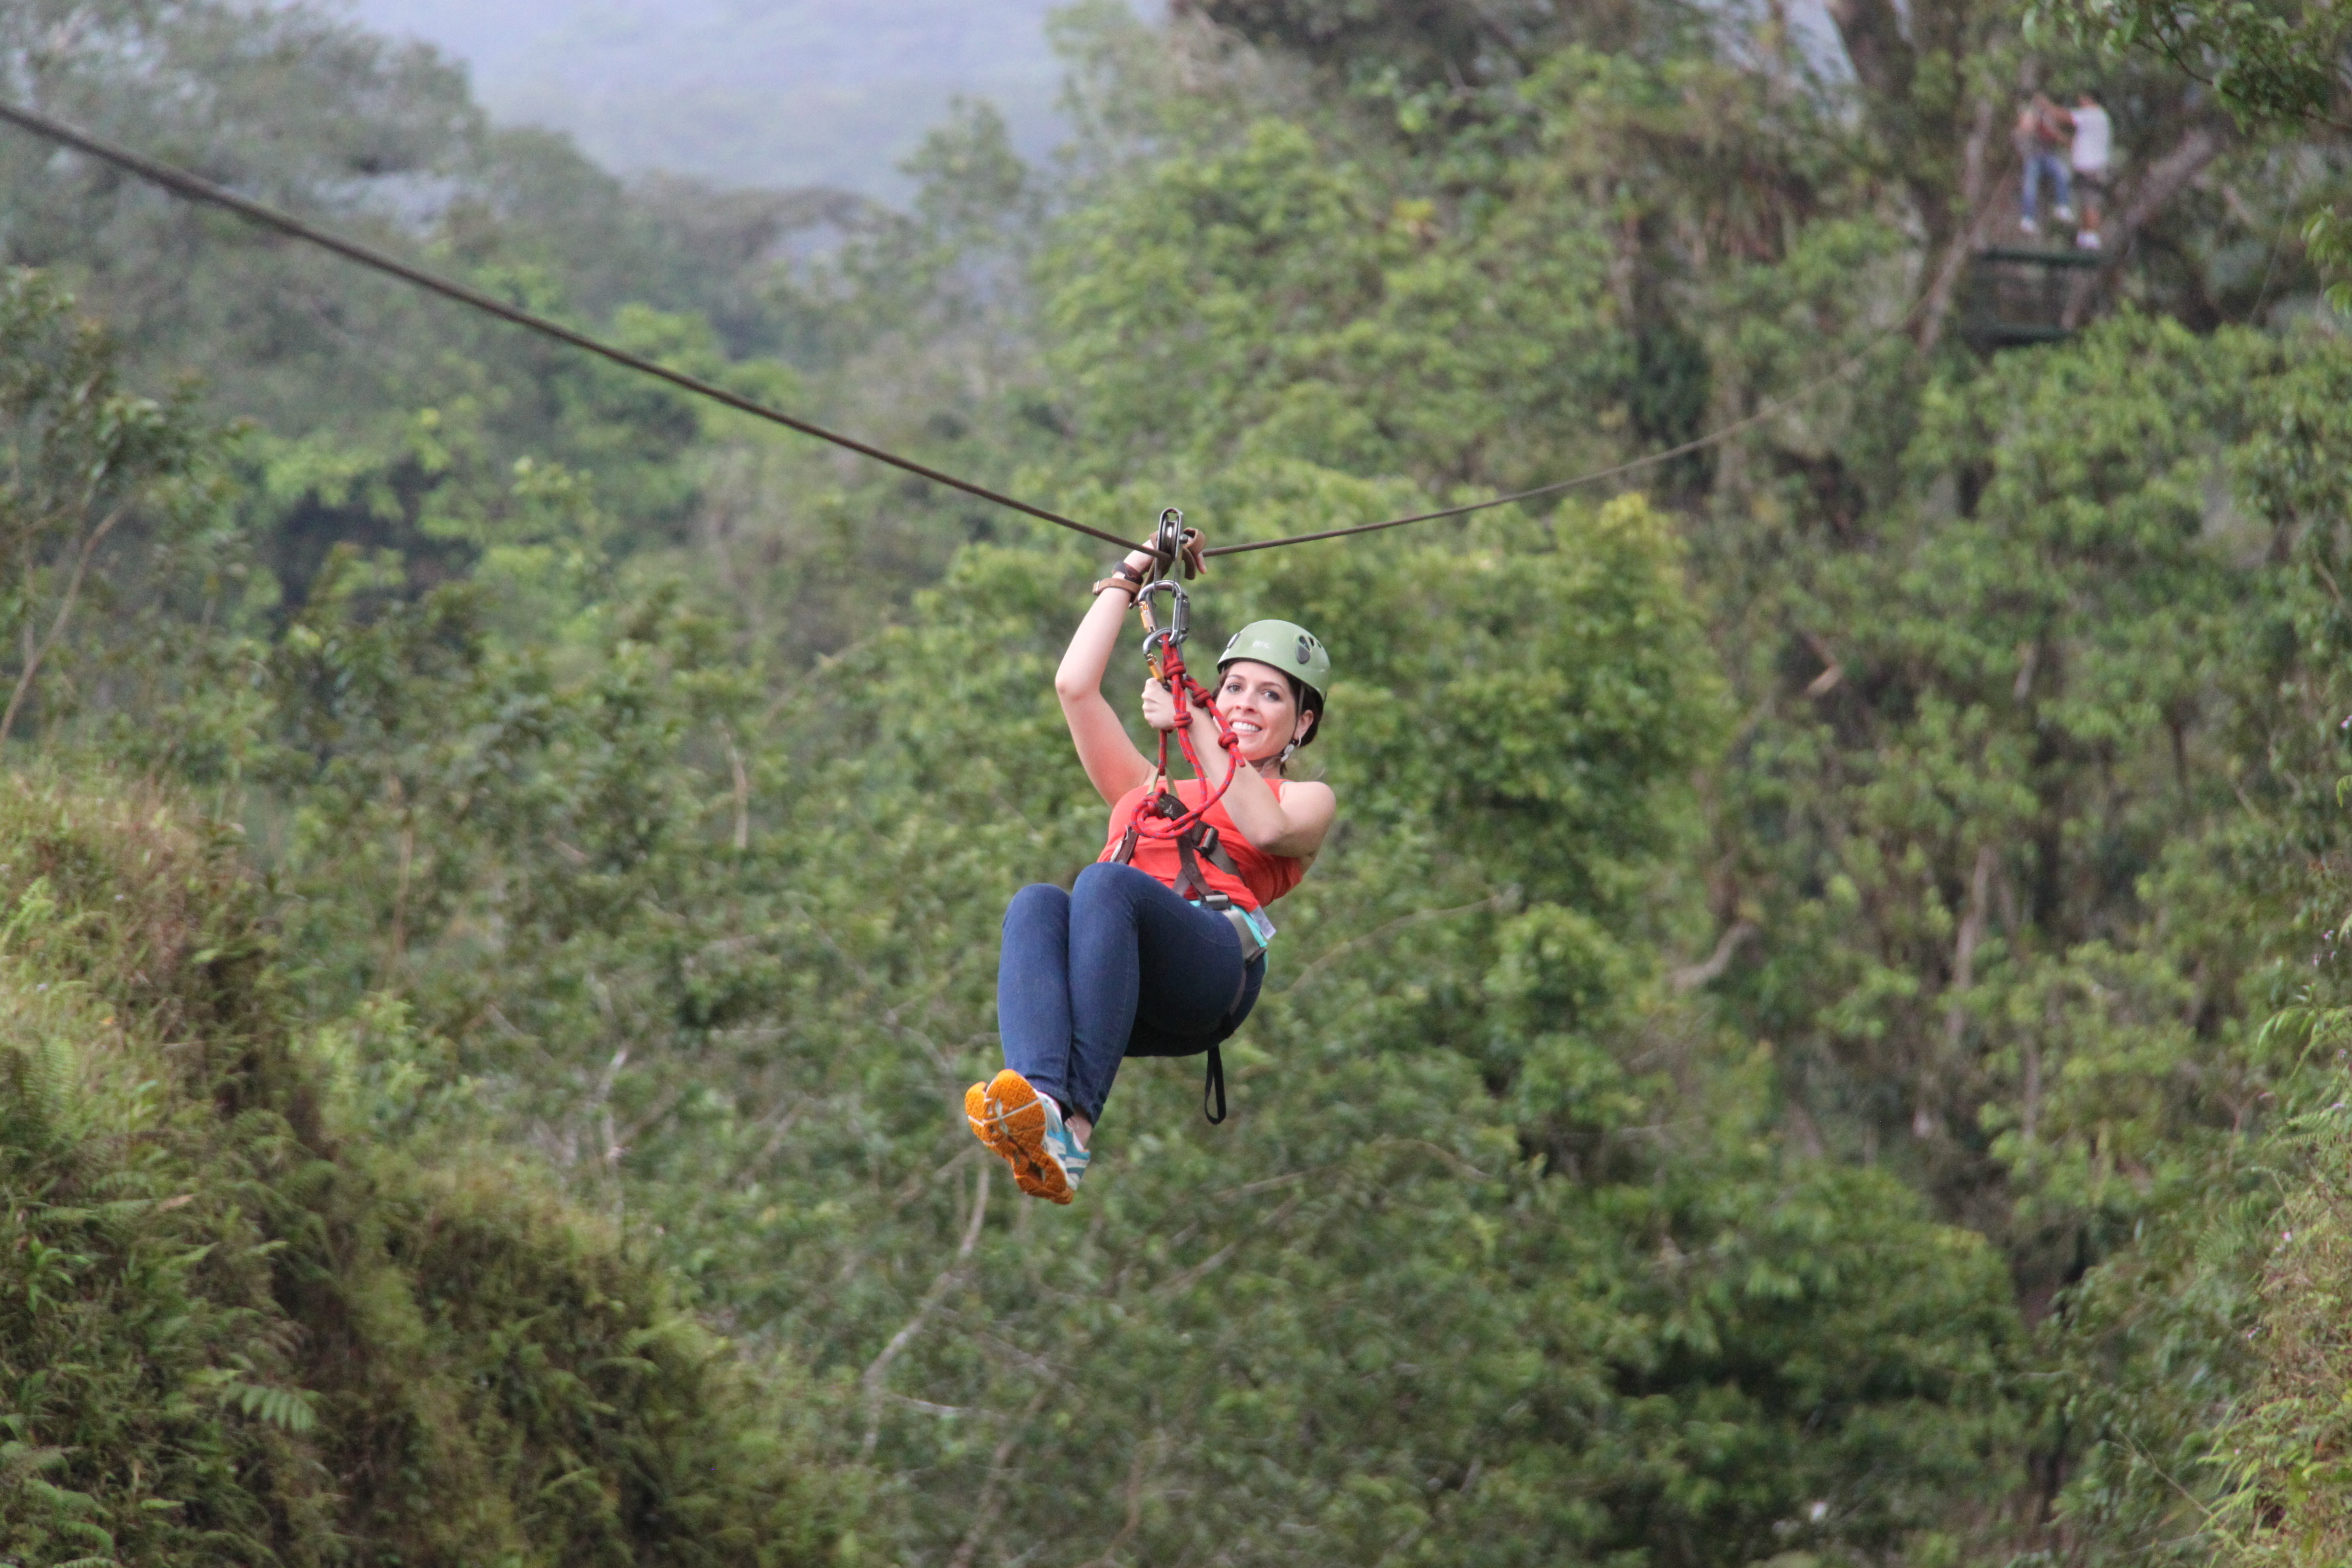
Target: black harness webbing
(1193,846)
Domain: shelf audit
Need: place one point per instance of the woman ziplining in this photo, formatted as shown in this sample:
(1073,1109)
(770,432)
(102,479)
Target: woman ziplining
(1159,948)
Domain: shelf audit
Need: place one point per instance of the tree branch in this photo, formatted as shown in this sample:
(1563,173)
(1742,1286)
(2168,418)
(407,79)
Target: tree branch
(879,1368)
(1966,237)
(2166,178)
(34,656)
(1691,976)
(991,1499)
(1500,900)
(1924,1119)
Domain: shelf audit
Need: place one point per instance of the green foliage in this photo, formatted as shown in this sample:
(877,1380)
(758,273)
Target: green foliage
(2328,243)
(2275,66)
(2266,61)
(1266,303)
(2285,1448)
(686,981)
(233,1334)
(112,497)
(1763,1071)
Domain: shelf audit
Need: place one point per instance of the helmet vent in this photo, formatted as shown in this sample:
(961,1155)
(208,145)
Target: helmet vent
(1306,649)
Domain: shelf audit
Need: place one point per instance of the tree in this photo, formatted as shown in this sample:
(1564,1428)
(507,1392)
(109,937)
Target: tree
(106,493)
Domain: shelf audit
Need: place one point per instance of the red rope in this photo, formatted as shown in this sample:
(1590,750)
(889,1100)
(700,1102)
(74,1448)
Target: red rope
(1166,824)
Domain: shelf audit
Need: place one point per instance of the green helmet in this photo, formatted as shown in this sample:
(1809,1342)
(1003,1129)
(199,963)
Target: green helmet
(1293,650)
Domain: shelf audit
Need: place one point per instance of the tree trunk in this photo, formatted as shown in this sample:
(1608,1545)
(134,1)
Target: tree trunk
(2166,178)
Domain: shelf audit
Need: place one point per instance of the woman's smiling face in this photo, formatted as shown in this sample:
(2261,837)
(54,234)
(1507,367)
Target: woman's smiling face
(1256,699)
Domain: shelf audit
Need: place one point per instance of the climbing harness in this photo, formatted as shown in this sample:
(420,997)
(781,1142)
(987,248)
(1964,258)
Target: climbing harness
(1164,816)
(1251,926)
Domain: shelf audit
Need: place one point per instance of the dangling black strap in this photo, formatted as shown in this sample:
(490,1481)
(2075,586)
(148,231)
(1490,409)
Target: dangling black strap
(1212,850)
(1190,884)
(1214,1084)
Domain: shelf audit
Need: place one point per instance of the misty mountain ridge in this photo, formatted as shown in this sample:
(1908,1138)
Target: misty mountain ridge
(769,93)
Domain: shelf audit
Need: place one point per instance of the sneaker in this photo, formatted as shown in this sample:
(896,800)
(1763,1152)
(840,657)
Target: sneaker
(2028,226)
(2088,239)
(2065,213)
(1025,1129)
(983,1121)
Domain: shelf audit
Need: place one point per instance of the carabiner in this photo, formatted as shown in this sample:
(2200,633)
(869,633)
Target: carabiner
(1179,624)
(1156,636)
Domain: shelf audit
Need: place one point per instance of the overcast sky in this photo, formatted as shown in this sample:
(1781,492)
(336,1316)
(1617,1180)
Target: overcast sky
(745,92)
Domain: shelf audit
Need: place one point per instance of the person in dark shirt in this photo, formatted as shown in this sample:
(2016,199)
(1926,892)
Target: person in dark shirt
(2043,133)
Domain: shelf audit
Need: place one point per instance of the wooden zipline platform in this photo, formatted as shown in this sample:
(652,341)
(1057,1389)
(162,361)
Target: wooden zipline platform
(2017,294)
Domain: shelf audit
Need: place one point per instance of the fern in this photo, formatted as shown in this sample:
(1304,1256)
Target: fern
(287,1409)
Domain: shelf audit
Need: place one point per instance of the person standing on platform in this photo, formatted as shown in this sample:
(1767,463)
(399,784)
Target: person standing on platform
(2042,131)
(2092,152)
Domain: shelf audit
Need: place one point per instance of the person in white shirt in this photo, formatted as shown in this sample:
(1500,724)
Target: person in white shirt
(2092,152)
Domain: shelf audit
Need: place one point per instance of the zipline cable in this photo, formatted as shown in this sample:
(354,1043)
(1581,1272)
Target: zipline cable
(1770,410)
(198,189)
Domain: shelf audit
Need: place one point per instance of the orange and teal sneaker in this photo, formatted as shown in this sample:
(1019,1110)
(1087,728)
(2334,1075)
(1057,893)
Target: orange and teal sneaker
(1025,1129)
(983,1121)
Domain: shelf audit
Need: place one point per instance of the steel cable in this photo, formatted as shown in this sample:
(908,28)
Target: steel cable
(196,188)
(1770,410)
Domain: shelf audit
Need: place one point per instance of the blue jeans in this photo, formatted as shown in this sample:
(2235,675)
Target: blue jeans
(2061,178)
(1119,966)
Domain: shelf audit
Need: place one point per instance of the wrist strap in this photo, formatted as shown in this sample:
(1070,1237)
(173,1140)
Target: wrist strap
(1123,577)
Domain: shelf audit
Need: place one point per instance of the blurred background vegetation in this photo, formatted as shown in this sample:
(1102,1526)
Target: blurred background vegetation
(781,94)
(1819,1038)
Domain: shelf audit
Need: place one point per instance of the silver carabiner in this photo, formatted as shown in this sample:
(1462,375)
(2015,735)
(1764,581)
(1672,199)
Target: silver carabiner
(1179,627)
(1179,624)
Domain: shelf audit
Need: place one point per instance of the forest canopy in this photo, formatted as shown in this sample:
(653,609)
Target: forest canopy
(1817,1037)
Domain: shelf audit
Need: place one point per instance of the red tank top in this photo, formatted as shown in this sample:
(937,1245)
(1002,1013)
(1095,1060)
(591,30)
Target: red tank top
(1264,878)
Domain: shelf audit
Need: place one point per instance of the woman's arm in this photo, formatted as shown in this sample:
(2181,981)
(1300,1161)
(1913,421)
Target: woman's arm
(1112,763)
(1291,824)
